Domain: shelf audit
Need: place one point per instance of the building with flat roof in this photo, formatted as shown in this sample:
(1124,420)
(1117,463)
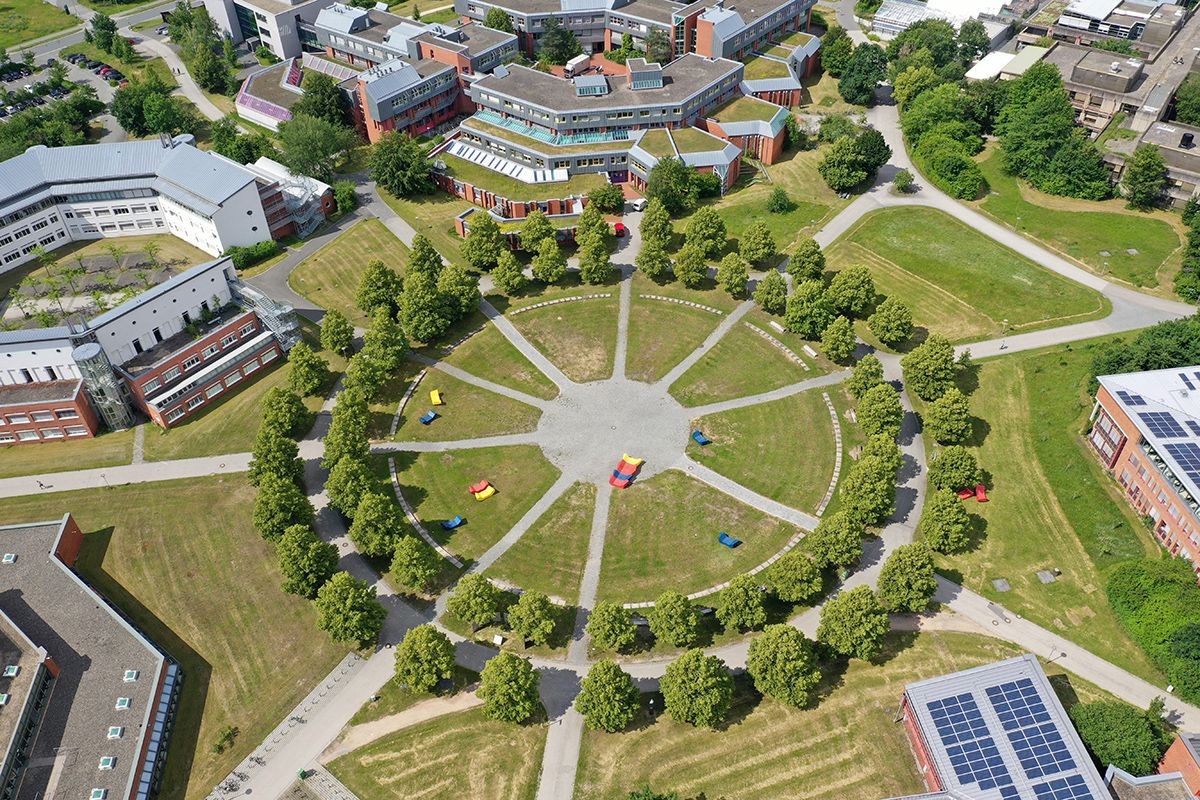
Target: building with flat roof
(895,16)
(89,699)
(285,28)
(1147,25)
(997,732)
(1146,432)
(1123,786)
(1183,758)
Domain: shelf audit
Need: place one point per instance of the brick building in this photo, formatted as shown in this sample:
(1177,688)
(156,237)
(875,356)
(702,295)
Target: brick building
(1183,757)
(1146,432)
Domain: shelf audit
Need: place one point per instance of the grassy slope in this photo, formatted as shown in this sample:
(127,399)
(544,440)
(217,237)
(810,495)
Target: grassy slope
(105,450)
(1052,505)
(579,338)
(742,363)
(25,20)
(662,534)
(174,574)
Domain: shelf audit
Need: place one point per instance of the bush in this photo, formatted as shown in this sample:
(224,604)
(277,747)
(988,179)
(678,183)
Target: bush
(609,199)
(346,196)
(1117,733)
(246,257)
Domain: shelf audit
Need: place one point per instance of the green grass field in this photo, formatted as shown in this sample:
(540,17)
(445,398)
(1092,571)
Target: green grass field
(651,353)
(1052,506)
(847,747)
(662,534)
(1085,230)
(535,292)
(25,20)
(783,449)
(448,758)
(183,560)
(394,698)
(549,558)
(330,276)
(436,485)
(468,411)
(741,364)
(105,450)
(491,356)
(433,216)
(957,281)
(580,338)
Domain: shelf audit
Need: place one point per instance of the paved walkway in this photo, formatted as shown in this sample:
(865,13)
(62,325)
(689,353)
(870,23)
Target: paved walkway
(147,472)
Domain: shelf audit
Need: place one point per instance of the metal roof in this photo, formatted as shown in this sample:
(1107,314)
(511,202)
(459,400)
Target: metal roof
(341,18)
(726,22)
(113,314)
(33,335)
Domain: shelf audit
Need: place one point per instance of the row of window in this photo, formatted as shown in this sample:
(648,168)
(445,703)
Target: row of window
(198,399)
(46,415)
(191,362)
(31,435)
(29,248)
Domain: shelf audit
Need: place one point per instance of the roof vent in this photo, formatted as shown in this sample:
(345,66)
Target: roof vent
(1187,140)
(1114,66)
(9,558)
(11,671)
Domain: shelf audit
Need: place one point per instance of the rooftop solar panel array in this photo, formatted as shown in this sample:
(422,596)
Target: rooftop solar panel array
(1162,424)
(1130,399)
(1072,787)
(1187,455)
(1035,738)
(969,745)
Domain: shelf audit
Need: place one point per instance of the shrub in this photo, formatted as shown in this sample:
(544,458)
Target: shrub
(246,257)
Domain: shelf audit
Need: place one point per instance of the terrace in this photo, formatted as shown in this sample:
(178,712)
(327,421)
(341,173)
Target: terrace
(694,140)
(761,67)
(509,132)
(513,189)
(797,39)
(746,109)
(657,143)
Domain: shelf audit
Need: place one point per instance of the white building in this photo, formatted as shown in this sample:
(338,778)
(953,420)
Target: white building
(52,196)
(284,28)
(894,16)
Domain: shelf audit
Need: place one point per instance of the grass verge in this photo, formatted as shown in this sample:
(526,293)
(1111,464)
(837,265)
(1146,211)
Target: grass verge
(491,356)
(741,364)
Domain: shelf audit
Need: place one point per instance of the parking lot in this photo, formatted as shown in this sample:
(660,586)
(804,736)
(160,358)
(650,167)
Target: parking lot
(24,89)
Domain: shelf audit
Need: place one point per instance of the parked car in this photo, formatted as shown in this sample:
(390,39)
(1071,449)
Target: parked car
(161,30)
(619,229)
(103,70)
(92,64)
(639,204)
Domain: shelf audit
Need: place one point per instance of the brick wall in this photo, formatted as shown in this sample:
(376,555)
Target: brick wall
(68,417)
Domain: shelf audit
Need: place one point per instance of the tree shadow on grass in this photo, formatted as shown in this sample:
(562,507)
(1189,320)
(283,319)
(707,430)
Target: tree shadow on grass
(197,672)
(895,643)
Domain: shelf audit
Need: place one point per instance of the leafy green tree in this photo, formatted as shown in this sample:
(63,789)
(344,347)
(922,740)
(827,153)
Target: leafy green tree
(309,371)
(104,30)
(795,577)
(364,374)
(656,224)
(305,561)
(771,293)
(312,146)
(836,126)
(838,340)
(911,82)
(874,149)
(423,311)
(1190,211)
(347,437)
(836,50)
(1187,101)
(902,182)
(1078,170)
(757,244)
(608,699)
(852,291)
(953,468)
(646,793)
(843,167)
(732,274)
(322,99)
(508,275)
(458,290)
(866,69)
(879,411)
(536,228)
(808,312)
(166,114)
(377,525)
(870,490)
(549,265)
(674,620)
(345,196)
(414,564)
(384,341)
(892,322)
(484,242)
(279,504)
(743,605)
(337,334)
(807,262)
(653,262)
(559,44)
(867,374)
(594,264)
(608,199)
(532,617)
(837,541)
(853,623)
(973,40)
(948,419)
(778,201)
(424,258)
(945,524)
(783,665)
(348,611)
(424,658)
(283,412)
(884,448)
(1117,733)
(379,286)
(671,181)
(658,47)
(691,267)
(508,686)
(907,582)
(929,368)
(611,627)
(498,19)
(706,230)
(1145,178)
(475,600)
(697,689)
(797,139)
(276,454)
(349,481)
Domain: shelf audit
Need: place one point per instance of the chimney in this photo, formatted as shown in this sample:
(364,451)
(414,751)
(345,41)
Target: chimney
(1187,140)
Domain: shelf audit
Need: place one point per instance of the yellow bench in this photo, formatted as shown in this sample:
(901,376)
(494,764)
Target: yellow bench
(435,397)
(485,494)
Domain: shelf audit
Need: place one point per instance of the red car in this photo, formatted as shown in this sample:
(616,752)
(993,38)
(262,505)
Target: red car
(619,229)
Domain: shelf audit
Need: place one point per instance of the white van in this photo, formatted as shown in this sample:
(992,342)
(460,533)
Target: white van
(639,204)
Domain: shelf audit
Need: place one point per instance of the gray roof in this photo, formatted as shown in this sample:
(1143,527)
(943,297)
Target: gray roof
(996,718)
(33,335)
(388,78)
(1169,786)
(93,647)
(770,85)
(341,18)
(13,394)
(113,314)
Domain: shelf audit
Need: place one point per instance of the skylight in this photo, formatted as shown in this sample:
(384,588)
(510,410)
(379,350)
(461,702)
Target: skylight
(131,675)
(115,732)
(122,703)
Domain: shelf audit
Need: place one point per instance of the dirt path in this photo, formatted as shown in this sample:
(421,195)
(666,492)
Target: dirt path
(356,736)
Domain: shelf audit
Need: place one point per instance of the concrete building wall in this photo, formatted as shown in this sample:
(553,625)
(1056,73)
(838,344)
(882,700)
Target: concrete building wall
(36,362)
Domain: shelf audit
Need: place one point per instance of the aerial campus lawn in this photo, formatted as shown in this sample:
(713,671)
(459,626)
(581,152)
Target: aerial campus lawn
(330,277)
(1097,234)
(743,363)
(105,450)
(467,412)
(394,698)
(584,347)
(1052,505)
(652,351)
(205,587)
(550,557)
(25,20)
(448,758)
(432,215)
(436,486)
(846,747)
(957,281)
(784,449)
(662,534)
(491,356)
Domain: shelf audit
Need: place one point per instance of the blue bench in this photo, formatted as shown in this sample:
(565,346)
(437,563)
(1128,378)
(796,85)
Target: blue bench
(700,439)
(451,524)
(429,417)
(727,540)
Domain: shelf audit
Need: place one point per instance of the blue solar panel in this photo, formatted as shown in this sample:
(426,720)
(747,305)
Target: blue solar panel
(1018,704)
(1041,750)
(1072,787)
(957,719)
(979,762)
(1130,399)
(1010,793)
(1188,456)
(1162,425)
(1194,426)
(1187,381)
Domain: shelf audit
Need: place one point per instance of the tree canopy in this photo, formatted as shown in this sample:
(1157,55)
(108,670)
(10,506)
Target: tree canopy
(697,689)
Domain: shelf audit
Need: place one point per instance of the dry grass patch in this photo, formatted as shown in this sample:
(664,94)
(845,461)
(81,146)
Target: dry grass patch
(491,356)
(468,412)
(741,364)
(580,338)
(330,277)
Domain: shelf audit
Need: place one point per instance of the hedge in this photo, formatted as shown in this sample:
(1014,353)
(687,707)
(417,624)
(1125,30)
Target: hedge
(245,257)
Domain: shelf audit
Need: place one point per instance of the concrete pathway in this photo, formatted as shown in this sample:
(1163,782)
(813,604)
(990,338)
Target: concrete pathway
(750,498)
(467,377)
(457,444)
(107,477)
(187,86)
(709,343)
(820,382)
(545,365)
(493,553)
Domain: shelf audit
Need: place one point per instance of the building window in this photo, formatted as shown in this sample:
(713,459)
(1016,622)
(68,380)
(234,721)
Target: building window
(250,367)
(228,340)
(269,356)
(214,390)
(191,361)
(15,419)
(43,416)
(66,413)
(232,378)
(211,351)
(27,436)
(7,437)
(76,430)
(247,329)
(174,414)
(52,433)
(151,385)
(170,374)
(195,402)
